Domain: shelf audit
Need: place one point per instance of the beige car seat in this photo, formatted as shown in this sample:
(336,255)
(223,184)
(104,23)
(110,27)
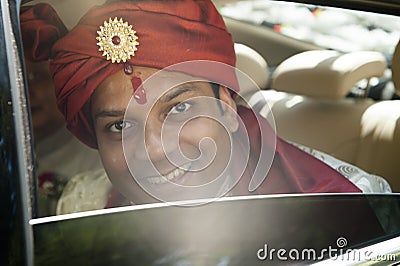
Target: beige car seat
(252,64)
(310,108)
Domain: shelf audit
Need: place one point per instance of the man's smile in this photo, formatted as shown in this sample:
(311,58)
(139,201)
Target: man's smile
(171,176)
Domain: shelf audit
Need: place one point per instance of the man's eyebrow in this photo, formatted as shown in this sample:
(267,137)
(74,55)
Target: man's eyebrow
(109,113)
(175,93)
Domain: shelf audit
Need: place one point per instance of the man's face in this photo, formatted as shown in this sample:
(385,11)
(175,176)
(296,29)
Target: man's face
(180,135)
(46,118)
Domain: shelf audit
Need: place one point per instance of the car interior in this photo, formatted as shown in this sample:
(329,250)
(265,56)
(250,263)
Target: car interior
(306,88)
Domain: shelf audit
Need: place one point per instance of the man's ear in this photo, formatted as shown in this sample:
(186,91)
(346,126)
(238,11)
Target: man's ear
(229,108)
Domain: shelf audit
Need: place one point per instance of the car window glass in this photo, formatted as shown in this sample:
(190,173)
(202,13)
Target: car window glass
(63,170)
(79,188)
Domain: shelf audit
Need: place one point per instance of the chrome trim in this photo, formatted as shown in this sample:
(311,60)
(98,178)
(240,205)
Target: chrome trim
(22,129)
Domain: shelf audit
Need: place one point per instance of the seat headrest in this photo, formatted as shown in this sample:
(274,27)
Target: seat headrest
(326,74)
(396,68)
(253,64)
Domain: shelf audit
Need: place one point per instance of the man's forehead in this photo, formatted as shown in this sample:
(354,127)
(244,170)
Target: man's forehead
(171,91)
(165,78)
(158,85)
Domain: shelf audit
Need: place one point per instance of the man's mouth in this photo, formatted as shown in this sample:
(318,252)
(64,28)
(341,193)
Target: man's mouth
(171,176)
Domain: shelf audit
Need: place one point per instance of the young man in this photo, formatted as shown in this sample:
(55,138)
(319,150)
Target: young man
(151,85)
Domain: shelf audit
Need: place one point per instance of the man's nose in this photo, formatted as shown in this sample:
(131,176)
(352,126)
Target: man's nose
(154,144)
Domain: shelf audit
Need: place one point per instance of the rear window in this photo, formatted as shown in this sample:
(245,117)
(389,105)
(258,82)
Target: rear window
(333,28)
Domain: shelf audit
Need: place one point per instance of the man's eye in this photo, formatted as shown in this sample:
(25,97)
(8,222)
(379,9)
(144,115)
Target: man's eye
(119,126)
(180,108)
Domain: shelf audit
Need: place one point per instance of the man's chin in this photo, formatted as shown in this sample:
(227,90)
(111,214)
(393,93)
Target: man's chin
(173,200)
(189,186)
(175,194)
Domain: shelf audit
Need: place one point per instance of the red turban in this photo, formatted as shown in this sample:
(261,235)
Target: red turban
(41,28)
(168,32)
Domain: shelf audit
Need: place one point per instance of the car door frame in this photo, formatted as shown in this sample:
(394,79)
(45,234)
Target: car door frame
(17,182)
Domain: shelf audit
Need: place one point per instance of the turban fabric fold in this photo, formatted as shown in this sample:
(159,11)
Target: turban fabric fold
(40,28)
(169,32)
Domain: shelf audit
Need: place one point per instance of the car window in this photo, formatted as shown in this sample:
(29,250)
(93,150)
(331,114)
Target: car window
(79,207)
(332,28)
(54,143)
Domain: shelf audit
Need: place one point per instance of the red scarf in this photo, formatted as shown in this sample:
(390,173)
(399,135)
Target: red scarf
(292,170)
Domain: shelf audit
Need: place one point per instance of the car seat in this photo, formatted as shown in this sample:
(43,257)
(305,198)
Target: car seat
(310,107)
